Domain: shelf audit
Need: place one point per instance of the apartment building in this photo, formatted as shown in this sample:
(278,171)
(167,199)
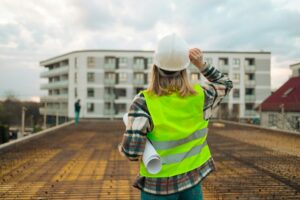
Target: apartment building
(106,81)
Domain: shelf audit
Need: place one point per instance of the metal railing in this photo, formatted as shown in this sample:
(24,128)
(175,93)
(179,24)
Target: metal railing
(62,97)
(55,72)
(57,84)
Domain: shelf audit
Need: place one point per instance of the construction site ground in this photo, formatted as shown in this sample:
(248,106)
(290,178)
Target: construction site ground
(82,162)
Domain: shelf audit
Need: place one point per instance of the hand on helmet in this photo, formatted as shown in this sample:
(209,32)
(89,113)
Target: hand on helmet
(196,58)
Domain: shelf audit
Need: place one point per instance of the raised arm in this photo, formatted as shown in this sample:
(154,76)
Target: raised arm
(218,87)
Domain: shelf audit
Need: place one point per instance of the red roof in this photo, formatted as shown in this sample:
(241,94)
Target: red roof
(287,95)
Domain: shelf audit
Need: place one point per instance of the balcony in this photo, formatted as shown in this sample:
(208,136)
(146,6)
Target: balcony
(55,72)
(110,66)
(138,82)
(109,81)
(250,97)
(223,68)
(58,84)
(250,83)
(108,112)
(138,67)
(250,68)
(54,98)
(109,97)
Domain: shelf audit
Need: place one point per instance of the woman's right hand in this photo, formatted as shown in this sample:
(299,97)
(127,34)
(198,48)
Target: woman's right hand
(196,58)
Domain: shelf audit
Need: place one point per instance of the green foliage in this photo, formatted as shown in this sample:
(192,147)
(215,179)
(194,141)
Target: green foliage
(11,110)
(37,129)
(4,134)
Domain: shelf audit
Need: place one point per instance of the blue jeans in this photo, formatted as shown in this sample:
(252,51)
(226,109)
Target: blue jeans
(76,118)
(193,193)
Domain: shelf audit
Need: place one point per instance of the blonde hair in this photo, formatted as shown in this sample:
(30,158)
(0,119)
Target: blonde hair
(165,85)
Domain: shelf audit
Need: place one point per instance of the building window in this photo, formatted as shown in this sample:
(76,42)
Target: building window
(208,61)
(90,92)
(195,76)
(139,76)
(287,92)
(107,106)
(64,63)
(91,61)
(123,76)
(236,61)
(75,93)
(250,76)
(56,92)
(75,62)
(109,91)
(110,76)
(90,107)
(249,91)
(123,60)
(272,119)
(236,93)
(75,77)
(64,77)
(298,72)
(64,91)
(249,61)
(236,76)
(120,108)
(223,61)
(90,77)
(249,106)
(150,61)
(109,60)
(120,92)
(139,61)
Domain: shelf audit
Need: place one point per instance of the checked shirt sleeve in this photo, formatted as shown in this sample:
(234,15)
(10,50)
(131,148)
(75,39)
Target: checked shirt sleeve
(139,124)
(215,90)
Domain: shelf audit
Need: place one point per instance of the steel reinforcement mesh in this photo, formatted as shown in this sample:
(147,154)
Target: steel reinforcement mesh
(83,163)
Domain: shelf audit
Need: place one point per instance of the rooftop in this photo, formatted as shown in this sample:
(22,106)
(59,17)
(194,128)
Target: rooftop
(142,51)
(83,163)
(288,95)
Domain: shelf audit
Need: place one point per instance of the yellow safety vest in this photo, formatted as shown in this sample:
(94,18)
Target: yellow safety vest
(179,133)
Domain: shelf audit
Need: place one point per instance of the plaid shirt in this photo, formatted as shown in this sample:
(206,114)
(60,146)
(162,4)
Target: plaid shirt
(140,123)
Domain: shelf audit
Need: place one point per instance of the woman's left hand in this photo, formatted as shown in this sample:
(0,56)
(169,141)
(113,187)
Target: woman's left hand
(196,58)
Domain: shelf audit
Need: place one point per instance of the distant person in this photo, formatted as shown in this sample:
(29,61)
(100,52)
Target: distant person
(173,115)
(77,111)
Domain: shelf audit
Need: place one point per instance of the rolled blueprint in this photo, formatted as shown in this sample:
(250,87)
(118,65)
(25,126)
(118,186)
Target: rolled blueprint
(151,159)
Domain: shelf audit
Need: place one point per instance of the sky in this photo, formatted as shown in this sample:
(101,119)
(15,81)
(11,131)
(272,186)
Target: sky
(34,30)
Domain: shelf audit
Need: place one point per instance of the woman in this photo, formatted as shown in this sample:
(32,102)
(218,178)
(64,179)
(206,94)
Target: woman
(173,115)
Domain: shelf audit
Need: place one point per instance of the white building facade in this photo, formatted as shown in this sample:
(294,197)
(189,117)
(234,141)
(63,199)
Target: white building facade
(106,81)
(295,68)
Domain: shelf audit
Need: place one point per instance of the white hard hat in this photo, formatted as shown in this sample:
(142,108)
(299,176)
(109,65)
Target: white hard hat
(172,53)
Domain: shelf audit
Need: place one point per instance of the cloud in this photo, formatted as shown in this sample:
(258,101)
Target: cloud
(36,30)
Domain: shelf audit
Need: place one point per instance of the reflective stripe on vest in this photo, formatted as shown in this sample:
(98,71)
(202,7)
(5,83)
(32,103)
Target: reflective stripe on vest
(175,158)
(162,145)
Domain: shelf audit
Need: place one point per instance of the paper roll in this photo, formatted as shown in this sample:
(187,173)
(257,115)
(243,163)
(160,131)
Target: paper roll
(151,159)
